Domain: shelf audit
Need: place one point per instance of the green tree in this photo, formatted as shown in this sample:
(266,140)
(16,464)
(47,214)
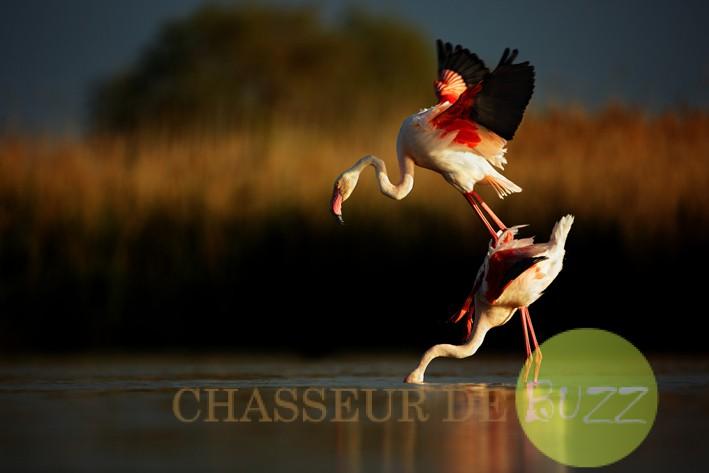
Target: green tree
(226,67)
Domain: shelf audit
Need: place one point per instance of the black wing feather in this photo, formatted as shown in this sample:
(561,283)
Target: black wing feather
(505,93)
(458,59)
(514,271)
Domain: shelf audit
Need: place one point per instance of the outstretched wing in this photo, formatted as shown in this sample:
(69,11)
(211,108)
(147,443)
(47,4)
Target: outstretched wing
(458,69)
(485,114)
(504,96)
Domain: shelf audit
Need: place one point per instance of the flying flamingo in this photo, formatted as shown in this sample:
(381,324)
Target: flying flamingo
(513,275)
(462,137)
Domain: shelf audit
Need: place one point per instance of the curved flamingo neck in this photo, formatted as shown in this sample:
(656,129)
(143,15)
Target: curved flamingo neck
(480,329)
(395,191)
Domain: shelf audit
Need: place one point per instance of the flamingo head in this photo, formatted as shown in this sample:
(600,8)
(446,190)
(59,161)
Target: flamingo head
(343,188)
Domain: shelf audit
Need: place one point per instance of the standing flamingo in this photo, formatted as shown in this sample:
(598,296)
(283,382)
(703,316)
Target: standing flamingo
(514,274)
(462,137)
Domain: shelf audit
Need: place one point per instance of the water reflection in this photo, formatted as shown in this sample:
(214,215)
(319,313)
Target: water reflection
(470,428)
(117,414)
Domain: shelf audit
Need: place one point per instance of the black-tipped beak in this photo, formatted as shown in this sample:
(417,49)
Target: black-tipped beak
(336,206)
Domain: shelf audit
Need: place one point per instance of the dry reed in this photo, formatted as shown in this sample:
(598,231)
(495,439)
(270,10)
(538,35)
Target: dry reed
(617,166)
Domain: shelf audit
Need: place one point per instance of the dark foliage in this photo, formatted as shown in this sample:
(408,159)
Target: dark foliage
(225,67)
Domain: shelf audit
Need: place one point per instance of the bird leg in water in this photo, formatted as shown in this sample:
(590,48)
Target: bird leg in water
(538,355)
(528,359)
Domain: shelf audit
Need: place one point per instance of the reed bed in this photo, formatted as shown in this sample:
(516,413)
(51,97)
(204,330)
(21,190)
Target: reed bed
(619,167)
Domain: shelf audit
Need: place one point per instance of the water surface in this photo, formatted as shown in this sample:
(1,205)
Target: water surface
(116,413)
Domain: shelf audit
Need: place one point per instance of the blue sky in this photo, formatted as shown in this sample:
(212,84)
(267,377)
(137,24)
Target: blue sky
(654,54)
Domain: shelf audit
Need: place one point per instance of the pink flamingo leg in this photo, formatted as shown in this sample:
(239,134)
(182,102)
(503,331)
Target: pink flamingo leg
(526,335)
(489,211)
(528,359)
(480,213)
(525,311)
(538,356)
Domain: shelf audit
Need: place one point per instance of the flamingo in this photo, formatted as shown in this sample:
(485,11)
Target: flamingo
(513,275)
(463,137)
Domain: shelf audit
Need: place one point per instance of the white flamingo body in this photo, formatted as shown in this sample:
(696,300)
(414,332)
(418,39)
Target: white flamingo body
(431,148)
(529,286)
(498,298)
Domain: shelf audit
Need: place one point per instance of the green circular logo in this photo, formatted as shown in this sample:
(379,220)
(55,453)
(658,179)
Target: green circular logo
(594,401)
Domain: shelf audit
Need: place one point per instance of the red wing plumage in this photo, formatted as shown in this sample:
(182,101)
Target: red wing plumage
(456,119)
